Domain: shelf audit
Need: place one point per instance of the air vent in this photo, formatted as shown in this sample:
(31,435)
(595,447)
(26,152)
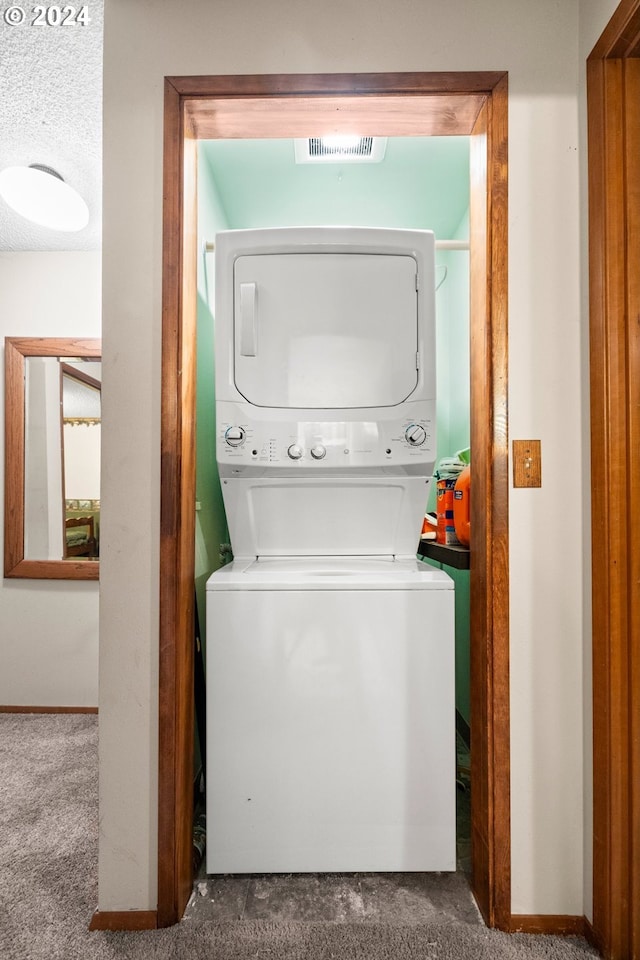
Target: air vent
(340,149)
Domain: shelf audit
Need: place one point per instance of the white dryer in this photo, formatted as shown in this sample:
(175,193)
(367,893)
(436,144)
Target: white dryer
(330,647)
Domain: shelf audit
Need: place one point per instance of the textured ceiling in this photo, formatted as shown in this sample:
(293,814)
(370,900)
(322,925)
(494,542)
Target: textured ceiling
(51,113)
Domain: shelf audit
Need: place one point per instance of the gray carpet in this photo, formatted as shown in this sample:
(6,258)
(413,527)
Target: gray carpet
(48,886)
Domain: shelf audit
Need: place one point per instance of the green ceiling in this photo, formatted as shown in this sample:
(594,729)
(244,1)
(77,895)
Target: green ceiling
(423,182)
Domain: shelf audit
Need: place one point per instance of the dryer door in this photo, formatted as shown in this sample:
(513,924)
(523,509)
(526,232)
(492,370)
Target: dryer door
(325,330)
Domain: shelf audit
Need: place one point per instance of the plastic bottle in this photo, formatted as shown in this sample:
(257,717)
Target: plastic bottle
(462,507)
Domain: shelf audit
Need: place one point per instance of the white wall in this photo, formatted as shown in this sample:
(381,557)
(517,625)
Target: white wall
(536,43)
(594,16)
(48,629)
(545,581)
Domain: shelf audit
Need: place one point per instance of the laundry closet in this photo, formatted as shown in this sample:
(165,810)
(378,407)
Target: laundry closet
(309,451)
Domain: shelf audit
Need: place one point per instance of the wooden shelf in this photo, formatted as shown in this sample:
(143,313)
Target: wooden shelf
(458,557)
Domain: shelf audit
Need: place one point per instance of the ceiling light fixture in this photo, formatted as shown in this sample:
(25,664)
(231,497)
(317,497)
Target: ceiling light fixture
(39,194)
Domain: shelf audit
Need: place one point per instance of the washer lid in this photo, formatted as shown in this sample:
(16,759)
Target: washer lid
(325,330)
(329,573)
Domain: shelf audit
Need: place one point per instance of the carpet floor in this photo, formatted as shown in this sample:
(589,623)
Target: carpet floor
(48,880)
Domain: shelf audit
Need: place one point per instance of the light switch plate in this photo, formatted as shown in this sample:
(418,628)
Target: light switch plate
(527,463)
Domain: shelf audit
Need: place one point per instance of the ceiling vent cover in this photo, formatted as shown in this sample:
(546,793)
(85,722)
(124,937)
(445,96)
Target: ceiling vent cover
(340,149)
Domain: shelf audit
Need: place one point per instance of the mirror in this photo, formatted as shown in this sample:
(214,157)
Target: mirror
(52,458)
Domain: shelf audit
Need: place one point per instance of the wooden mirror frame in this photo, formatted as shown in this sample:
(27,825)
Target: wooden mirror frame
(16,349)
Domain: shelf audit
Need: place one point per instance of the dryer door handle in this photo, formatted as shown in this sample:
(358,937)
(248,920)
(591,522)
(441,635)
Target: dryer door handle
(248,320)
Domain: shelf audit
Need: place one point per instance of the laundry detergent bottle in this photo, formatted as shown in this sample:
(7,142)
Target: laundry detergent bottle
(462,507)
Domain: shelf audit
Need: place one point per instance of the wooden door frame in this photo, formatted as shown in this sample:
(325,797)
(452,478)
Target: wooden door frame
(613,87)
(395,104)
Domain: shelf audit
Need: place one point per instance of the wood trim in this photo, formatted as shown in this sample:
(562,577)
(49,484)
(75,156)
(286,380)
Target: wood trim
(68,370)
(489,582)
(632,184)
(184,113)
(15,565)
(600,504)
(482,862)
(177,517)
(185,676)
(124,920)
(222,86)
(560,925)
(10,708)
(620,37)
(427,116)
(613,88)
(603,346)
(590,936)
(171,642)
(54,570)
(437,104)
(56,346)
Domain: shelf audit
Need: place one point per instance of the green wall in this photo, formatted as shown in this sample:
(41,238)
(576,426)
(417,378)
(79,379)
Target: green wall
(423,182)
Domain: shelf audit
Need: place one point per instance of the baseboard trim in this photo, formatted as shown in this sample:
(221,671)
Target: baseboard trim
(591,936)
(124,920)
(562,925)
(26,709)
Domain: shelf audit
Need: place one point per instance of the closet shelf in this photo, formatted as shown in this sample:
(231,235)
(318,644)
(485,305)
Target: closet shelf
(452,556)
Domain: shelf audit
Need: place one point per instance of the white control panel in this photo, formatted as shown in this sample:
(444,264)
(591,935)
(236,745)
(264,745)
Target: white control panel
(299,445)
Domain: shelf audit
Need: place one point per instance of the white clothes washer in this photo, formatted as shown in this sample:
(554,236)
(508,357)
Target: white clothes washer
(330,718)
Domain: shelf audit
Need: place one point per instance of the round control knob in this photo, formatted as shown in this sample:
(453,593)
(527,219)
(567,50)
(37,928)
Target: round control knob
(415,434)
(295,451)
(318,452)
(234,436)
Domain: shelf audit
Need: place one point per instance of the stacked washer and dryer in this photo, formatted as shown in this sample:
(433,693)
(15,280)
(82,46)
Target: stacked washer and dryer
(330,652)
